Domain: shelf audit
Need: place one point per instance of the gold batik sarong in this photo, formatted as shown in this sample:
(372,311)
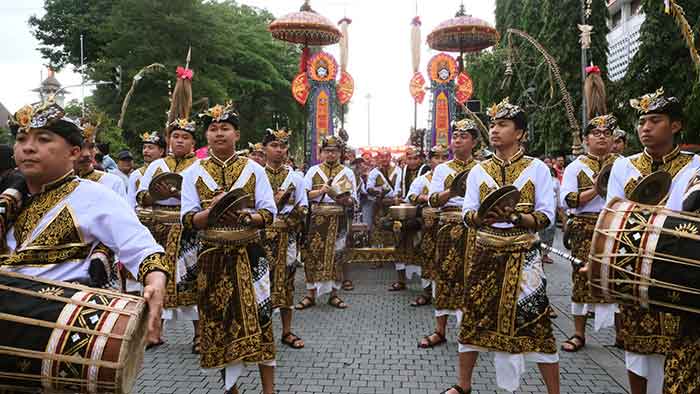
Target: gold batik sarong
(426,254)
(164,223)
(278,237)
(235,320)
(581,230)
(319,254)
(647,332)
(452,241)
(379,236)
(682,368)
(507,308)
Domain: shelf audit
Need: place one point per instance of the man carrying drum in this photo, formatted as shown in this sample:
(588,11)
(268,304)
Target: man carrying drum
(233,279)
(584,201)
(453,238)
(647,336)
(281,245)
(418,195)
(331,189)
(164,200)
(61,223)
(507,309)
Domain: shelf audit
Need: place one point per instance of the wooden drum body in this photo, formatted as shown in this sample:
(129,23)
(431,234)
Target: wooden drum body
(646,255)
(59,337)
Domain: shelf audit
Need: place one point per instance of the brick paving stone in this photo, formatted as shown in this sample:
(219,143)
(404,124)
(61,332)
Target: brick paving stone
(371,348)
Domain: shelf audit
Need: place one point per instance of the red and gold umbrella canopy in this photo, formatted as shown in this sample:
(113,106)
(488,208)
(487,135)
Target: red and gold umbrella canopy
(463,33)
(305,27)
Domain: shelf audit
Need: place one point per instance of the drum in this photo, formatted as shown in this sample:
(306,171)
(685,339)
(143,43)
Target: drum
(67,338)
(646,255)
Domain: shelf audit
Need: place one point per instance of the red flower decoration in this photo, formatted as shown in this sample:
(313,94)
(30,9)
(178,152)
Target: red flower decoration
(184,73)
(592,69)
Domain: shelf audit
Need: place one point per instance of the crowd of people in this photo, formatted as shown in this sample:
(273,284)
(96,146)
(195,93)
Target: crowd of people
(217,240)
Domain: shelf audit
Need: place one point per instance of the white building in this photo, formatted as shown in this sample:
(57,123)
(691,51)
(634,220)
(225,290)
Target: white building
(625,20)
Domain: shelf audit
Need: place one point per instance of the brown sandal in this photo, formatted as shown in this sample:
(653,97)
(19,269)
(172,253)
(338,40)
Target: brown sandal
(305,303)
(421,300)
(576,346)
(195,345)
(430,344)
(292,340)
(458,389)
(397,286)
(336,302)
(348,286)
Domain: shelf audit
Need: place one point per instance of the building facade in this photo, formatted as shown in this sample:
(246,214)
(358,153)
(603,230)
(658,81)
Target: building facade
(625,19)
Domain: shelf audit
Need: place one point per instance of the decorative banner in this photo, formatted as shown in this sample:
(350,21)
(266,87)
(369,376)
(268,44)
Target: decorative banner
(442,71)
(417,87)
(346,88)
(300,88)
(465,88)
(322,114)
(323,67)
(442,118)
(322,72)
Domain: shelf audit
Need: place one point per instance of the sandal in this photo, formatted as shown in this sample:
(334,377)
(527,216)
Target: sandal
(195,345)
(233,390)
(458,389)
(336,302)
(421,300)
(305,303)
(397,286)
(426,343)
(347,285)
(576,346)
(292,340)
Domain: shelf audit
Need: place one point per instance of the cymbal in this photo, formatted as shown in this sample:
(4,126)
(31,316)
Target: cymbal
(652,189)
(459,184)
(506,196)
(234,200)
(601,183)
(173,180)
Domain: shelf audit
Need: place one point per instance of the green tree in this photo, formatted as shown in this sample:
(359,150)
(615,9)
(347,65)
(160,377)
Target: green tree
(553,24)
(234,57)
(662,60)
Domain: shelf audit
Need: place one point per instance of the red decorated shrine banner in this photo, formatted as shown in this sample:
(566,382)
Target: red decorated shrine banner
(345,88)
(322,115)
(416,87)
(464,89)
(300,88)
(442,119)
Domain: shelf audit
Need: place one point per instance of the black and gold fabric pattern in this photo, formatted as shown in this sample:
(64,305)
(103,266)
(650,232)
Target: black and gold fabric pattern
(581,231)
(497,316)
(673,163)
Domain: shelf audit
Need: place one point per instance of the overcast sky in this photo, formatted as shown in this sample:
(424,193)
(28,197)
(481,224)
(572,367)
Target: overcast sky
(380,57)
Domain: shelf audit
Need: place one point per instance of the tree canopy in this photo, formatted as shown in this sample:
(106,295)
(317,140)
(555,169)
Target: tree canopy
(234,57)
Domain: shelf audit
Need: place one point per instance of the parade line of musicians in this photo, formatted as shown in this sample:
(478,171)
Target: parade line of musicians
(226,271)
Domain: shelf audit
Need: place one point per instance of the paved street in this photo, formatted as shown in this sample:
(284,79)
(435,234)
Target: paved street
(371,348)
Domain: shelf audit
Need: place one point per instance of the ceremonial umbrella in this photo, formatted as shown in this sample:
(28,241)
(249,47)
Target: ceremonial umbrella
(306,27)
(463,33)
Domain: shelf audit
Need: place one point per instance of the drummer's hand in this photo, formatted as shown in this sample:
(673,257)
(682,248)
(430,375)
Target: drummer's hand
(278,196)
(164,189)
(491,218)
(154,293)
(216,199)
(423,199)
(325,189)
(345,201)
(584,270)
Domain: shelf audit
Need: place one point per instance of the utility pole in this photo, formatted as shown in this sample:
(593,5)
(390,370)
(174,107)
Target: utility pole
(82,73)
(369,100)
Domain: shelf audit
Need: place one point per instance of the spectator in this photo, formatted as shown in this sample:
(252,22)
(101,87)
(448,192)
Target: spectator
(125,165)
(103,159)
(619,141)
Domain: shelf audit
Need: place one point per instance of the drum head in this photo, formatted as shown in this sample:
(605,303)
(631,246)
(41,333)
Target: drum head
(507,196)
(459,184)
(601,183)
(652,189)
(235,200)
(173,180)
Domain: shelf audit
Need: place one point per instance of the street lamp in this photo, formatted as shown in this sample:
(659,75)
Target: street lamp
(369,99)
